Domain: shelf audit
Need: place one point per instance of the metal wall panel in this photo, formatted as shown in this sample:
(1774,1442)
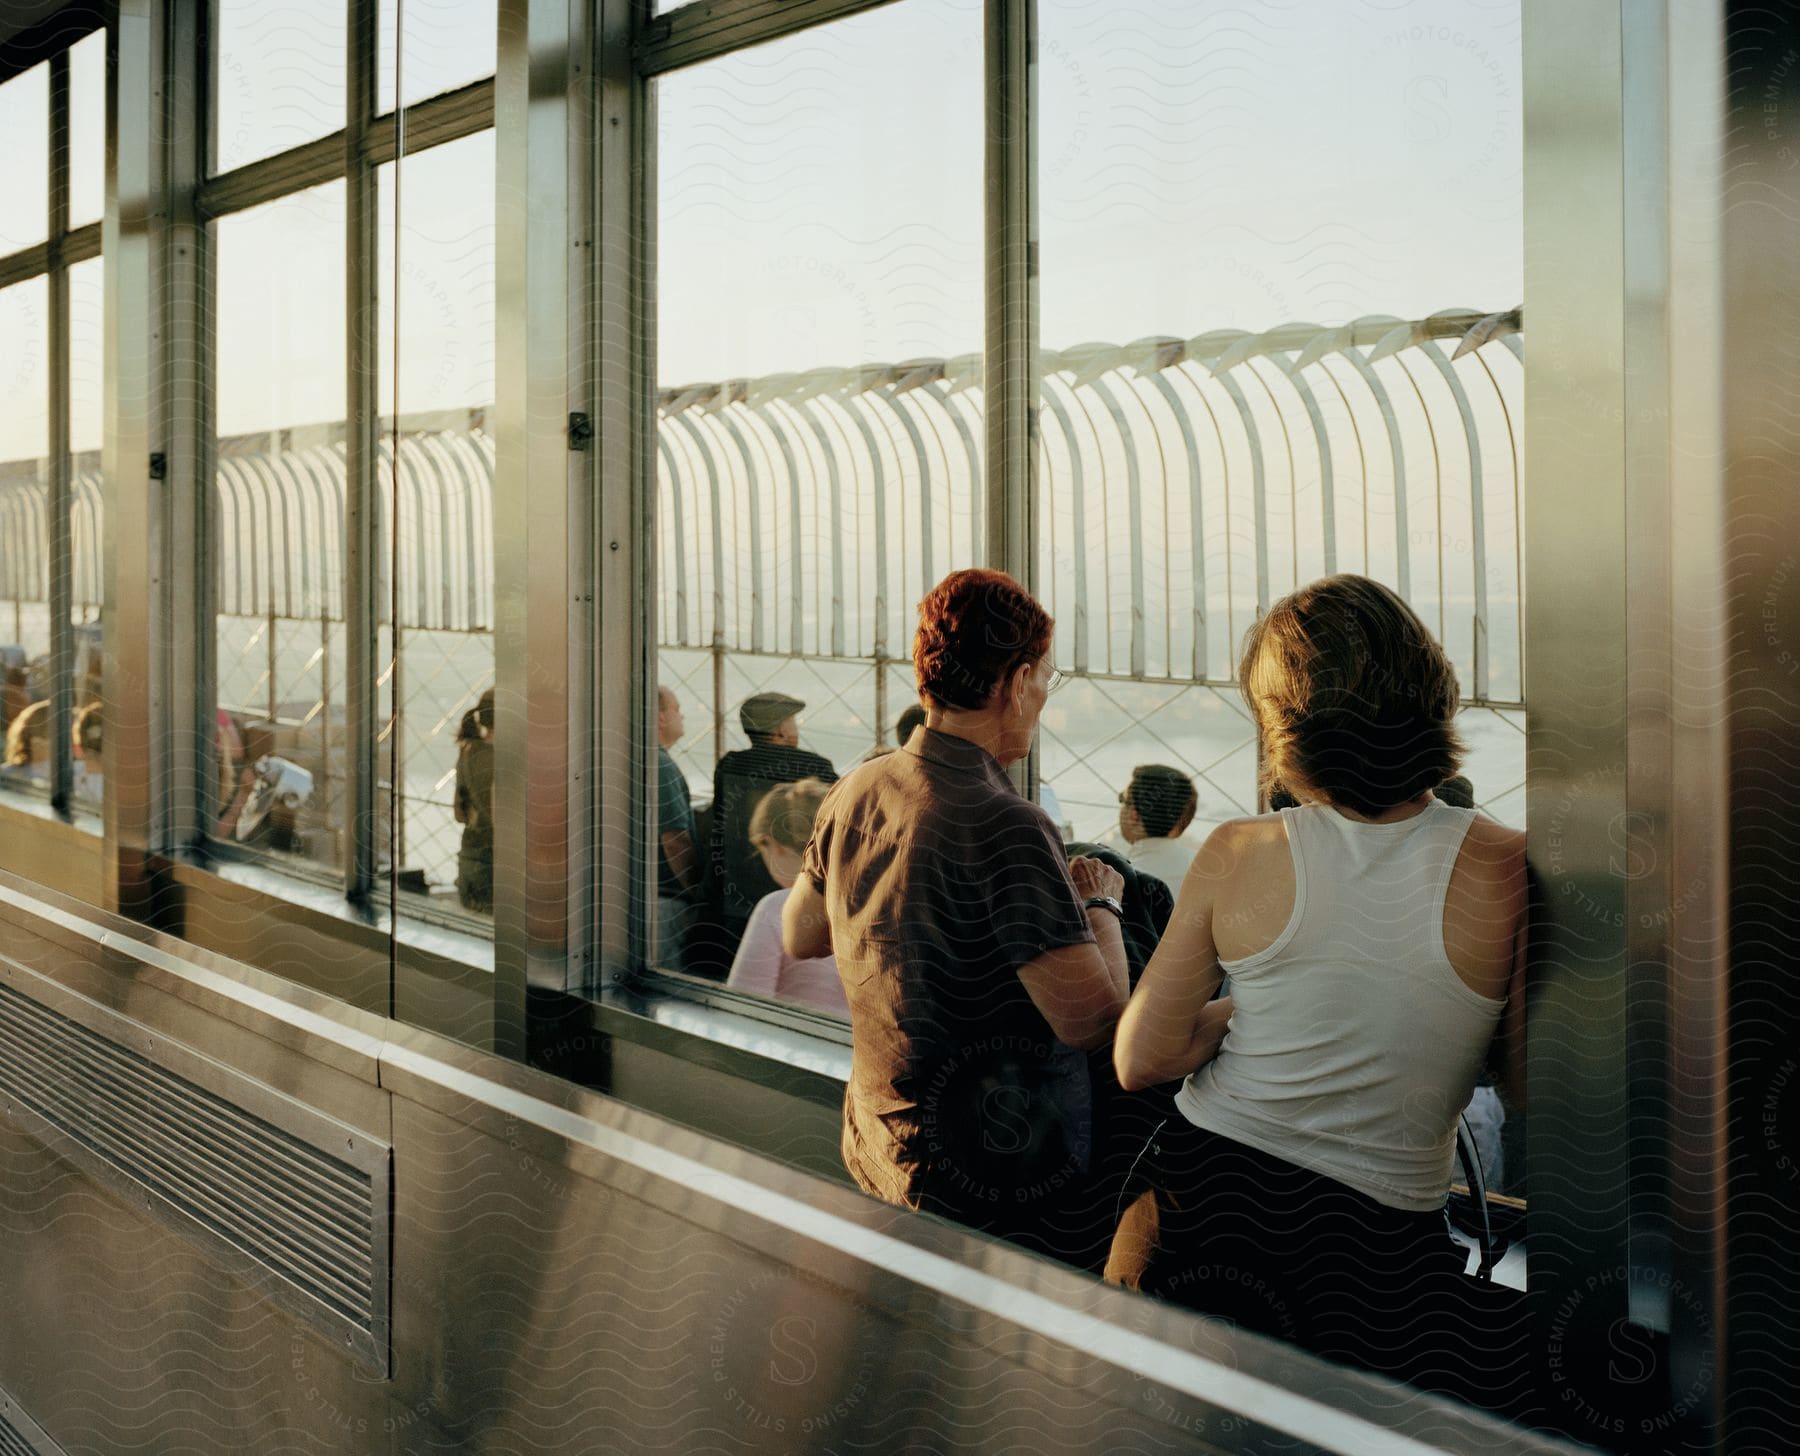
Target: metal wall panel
(573,1275)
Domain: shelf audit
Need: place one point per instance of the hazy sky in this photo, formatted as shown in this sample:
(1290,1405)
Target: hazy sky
(1200,167)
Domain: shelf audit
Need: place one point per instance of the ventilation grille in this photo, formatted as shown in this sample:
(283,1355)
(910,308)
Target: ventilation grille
(312,1218)
(20,1435)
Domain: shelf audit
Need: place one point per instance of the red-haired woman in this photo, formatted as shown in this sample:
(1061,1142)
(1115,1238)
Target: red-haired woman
(1374,938)
(976,962)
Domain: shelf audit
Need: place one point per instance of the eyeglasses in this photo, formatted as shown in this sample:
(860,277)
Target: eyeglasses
(1057,679)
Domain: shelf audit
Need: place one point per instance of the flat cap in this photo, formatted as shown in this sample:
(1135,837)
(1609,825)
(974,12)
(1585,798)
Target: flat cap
(763,714)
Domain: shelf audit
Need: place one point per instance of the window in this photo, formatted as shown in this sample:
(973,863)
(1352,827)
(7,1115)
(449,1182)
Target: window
(1278,319)
(445,532)
(278,77)
(25,555)
(819,416)
(278,539)
(50,505)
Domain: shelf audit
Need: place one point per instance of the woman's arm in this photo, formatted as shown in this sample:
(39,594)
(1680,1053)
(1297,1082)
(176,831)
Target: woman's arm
(1173,1025)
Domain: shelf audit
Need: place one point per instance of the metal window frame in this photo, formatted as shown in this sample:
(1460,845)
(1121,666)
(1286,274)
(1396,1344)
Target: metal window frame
(51,260)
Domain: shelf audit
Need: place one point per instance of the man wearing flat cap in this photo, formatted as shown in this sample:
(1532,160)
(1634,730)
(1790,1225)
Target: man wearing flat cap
(735,876)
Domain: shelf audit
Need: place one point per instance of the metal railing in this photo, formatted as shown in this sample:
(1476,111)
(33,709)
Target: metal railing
(1185,484)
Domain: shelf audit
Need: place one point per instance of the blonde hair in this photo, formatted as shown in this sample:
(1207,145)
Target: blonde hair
(786,813)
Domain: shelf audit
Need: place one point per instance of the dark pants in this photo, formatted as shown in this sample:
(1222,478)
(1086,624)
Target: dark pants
(1232,1232)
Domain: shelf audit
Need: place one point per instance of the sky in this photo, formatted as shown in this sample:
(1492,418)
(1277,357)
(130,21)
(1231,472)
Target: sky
(1201,167)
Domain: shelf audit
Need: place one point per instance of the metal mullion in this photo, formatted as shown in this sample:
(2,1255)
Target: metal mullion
(1010,362)
(362,421)
(190,592)
(545,481)
(434,121)
(429,123)
(80,245)
(271,177)
(58,591)
(623,325)
(25,264)
(707,29)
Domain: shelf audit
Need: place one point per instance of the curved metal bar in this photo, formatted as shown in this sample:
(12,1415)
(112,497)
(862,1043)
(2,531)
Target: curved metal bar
(1134,494)
(1258,487)
(677,537)
(1362,457)
(1477,510)
(927,542)
(1327,496)
(972,451)
(834,485)
(1512,441)
(1384,402)
(913,402)
(1196,517)
(1437,474)
(718,526)
(796,534)
(1078,507)
(310,466)
(878,475)
(754,498)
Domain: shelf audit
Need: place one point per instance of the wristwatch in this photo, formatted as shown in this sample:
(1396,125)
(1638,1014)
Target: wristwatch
(1107,903)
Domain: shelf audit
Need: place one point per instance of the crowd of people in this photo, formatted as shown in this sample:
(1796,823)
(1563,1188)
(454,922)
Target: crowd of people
(1226,1069)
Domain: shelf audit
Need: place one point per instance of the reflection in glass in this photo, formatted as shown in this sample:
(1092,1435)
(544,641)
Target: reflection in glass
(25,159)
(1245,237)
(87,129)
(87,283)
(278,76)
(820,417)
(449,43)
(279,512)
(24,534)
(445,348)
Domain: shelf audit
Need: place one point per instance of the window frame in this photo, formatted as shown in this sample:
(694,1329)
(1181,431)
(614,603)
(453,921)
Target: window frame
(52,259)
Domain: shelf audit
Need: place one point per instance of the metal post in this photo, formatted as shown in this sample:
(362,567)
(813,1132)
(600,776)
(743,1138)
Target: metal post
(1010,364)
(362,508)
(59,594)
(625,390)
(146,108)
(273,667)
(547,746)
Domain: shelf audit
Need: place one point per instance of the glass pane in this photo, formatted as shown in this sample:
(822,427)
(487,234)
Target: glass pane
(820,316)
(445,356)
(278,76)
(24,534)
(87,283)
(1247,386)
(449,43)
(87,129)
(279,528)
(25,160)
(1260,250)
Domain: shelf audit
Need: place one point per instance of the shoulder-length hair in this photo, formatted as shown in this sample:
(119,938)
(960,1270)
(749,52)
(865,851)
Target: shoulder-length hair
(975,627)
(1354,698)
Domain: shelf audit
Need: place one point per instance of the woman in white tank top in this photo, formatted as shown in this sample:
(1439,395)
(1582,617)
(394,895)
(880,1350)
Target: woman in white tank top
(1374,939)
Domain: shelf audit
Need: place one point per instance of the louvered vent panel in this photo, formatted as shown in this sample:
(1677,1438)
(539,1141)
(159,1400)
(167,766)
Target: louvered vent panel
(22,1436)
(289,1206)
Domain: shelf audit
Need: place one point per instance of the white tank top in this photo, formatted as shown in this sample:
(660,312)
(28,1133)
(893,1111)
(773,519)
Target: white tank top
(1354,1045)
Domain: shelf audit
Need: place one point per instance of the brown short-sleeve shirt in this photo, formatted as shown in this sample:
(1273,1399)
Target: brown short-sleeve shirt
(940,883)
